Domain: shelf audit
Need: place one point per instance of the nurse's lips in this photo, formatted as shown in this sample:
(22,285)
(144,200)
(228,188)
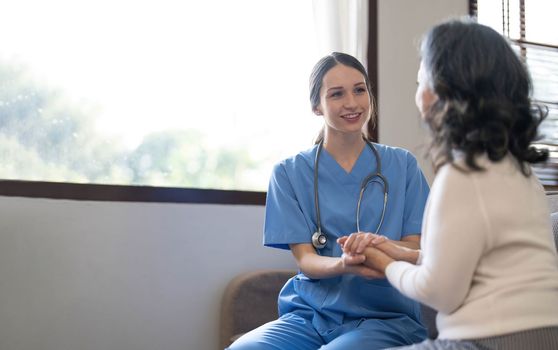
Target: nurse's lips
(351,117)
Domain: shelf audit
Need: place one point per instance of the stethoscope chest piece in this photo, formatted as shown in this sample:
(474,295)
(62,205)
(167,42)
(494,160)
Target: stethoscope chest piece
(319,240)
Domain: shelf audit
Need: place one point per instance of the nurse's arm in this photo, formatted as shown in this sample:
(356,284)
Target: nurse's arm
(316,266)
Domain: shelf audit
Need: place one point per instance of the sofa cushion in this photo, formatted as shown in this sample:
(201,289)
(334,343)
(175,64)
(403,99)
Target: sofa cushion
(554,218)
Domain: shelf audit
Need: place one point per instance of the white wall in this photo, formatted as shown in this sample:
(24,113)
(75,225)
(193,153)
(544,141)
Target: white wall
(80,275)
(136,276)
(401,24)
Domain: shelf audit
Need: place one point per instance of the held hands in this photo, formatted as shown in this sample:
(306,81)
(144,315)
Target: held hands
(354,264)
(355,243)
(367,249)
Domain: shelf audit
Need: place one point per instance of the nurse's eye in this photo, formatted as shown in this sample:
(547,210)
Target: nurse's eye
(360,90)
(336,94)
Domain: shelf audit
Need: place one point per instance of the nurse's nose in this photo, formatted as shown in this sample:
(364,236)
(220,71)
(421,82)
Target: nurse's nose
(350,101)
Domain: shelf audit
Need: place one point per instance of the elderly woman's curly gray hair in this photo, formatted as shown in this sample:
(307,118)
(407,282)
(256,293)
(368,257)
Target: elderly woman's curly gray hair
(483,90)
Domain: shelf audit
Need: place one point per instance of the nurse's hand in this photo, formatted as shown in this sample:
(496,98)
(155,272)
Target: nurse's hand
(316,266)
(355,243)
(352,264)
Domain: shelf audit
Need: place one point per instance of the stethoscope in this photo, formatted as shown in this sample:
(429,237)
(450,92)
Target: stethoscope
(319,239)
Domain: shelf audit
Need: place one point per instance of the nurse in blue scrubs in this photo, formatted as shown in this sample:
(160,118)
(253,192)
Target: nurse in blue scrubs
(344,184)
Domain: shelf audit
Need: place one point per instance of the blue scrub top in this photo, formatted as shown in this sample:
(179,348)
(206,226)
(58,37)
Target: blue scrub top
(291,218)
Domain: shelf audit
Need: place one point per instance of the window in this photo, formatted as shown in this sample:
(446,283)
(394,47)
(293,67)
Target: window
(195,94)
(529,24)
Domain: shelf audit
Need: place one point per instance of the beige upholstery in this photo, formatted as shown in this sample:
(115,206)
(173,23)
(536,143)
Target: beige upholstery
(250,300)
(553,204)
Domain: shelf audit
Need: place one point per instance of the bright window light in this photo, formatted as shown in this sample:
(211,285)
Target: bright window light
(202,94)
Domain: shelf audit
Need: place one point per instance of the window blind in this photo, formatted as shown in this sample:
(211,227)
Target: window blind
(528,26)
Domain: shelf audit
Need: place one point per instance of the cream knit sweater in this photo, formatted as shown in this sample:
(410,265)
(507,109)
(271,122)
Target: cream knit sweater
(488,261)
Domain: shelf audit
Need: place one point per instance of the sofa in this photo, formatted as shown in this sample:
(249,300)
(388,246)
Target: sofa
(250,299)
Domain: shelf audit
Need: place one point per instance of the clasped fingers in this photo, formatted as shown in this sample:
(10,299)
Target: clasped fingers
(355,243)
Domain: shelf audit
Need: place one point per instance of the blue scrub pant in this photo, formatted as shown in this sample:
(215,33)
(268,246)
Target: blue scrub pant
(293,332)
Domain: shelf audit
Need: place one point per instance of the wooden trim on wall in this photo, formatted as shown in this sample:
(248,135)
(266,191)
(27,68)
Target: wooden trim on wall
(122,193)
(373,59)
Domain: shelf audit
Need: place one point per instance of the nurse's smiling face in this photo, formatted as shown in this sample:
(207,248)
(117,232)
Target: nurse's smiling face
(344,100)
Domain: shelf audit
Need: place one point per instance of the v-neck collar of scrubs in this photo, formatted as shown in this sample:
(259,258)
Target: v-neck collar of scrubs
(364,165)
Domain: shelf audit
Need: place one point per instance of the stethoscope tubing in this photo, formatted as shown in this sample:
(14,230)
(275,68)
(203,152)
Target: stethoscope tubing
(383,207)
(316,193)
(318,238)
